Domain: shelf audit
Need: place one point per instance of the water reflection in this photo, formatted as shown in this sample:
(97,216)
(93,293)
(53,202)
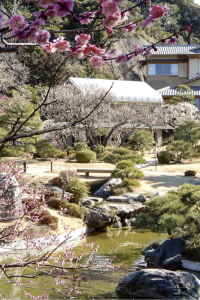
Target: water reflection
(126,245)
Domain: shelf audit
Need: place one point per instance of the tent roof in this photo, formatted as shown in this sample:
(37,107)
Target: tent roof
(124,91)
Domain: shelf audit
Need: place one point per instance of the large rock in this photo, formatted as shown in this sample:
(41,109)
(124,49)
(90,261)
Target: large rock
(105,189)
(58,190)
(159,284)
(127,211)
(10,192)
(100,217)
(190,173)
(121,199)
(167,255)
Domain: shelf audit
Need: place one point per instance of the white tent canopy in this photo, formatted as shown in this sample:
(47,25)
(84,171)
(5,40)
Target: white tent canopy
(124,91)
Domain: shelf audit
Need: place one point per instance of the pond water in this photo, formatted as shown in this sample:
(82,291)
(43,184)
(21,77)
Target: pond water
(126,245)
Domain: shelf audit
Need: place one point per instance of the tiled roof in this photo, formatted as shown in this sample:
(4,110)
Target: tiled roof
(176,49)
(124,91)
(172,91)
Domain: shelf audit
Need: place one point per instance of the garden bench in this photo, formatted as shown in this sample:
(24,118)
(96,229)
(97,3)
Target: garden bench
(87,171)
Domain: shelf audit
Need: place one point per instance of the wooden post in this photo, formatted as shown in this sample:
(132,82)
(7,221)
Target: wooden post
(156,158)
(51,165)
(24,166)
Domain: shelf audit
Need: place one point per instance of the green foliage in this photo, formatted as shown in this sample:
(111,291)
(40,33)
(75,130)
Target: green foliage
(164,157)
(123,154)
(188,132)
(184,94)
(46,149)
(122,151)
(178,213)
(21,147)
(127,182)
(141,139)
(99,149)
(61,155)
(78,190)
(127,185)
(54,203)
(80,147)
(181,149)
(85,156)
(126,169)
(75,210)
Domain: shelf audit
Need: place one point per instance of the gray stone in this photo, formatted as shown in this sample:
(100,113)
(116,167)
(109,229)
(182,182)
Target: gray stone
(159,193)
(132,221)
(141,199)
(58,190)
(88,202)
(166,254)
(159,284)
(121,199)
(117,225)
(126,222)
(105,190)
(100,217)
(11,208)
(95,199)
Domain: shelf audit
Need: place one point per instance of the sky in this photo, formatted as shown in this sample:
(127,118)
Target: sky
(197,1)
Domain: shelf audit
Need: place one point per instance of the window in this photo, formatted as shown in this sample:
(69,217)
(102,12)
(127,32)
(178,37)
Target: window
(163,69)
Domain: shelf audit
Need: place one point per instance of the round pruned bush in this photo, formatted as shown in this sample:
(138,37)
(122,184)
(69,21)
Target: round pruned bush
(54,203)
(61,154)
(164,157)
(128,182)
(126,169)
(74,210)
(141,139)
(30,204)
(99,149)
(80,147)
(78,190)
(85,156)
(115,158)
(121,151)
(181,149)
(50,220)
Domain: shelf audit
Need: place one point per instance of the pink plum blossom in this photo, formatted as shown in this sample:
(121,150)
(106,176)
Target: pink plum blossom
(138,49)
(31,34)
(158,11)
(82,38)
(118,1)
(129,27)
(47,3)
(87,17)
(16,21)
(110,8)
(79,54)
(125,15)
(172,41)
(146,22)
(63,9)
(121,58)
(93,50)
(96,61)
(109,31)
(62,45)
(50,13)
(42,37)
(110,21)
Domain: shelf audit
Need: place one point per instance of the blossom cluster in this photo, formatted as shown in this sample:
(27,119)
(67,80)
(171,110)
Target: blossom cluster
(107,14)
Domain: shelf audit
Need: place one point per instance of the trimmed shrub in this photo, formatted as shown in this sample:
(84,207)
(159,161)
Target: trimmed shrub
(99,149)
(50,221)
(68,174)
(118,191)
(46,149)
(52,195)
(141,139)
(164,157)
(181,149)
(78,190)
(31,204)
(61,154)
(122,151)
(85,156)
(115,158)
(75,211)
(127,182)
(126,169)
(80,147)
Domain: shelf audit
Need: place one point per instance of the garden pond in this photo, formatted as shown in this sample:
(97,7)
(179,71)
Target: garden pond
(125,244)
